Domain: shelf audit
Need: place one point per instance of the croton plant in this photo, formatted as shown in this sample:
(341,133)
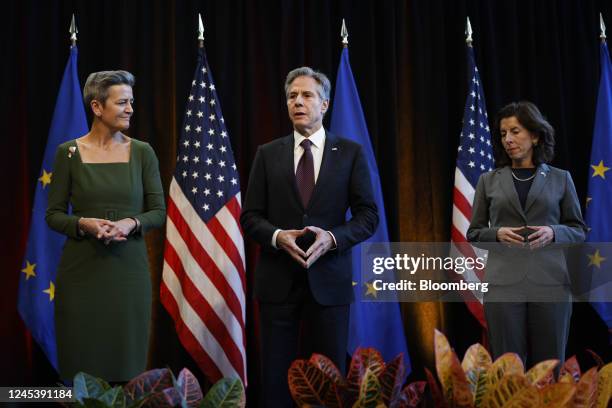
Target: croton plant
(476,381)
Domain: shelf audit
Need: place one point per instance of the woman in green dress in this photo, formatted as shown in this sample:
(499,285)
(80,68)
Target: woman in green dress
(105,194)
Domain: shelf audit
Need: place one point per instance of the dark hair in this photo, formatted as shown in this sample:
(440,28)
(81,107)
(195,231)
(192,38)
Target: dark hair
(530,117)
(97,84)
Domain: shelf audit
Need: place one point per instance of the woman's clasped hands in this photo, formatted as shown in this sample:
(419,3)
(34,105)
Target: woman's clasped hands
(107,231)
(532,236)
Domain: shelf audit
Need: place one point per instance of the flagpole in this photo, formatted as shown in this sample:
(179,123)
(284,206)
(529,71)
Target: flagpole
(371,324)
(36,298)
(475,134)
(209,316)
(598,192)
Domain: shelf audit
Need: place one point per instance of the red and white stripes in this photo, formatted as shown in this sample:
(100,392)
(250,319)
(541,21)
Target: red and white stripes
(203,284)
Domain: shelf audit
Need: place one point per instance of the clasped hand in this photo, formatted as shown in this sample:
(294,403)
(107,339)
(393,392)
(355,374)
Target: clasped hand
(323,243)
(107,231)
(542,236)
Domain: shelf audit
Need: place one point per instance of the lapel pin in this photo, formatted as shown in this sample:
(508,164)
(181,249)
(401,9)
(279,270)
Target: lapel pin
(542,173)
(334,148)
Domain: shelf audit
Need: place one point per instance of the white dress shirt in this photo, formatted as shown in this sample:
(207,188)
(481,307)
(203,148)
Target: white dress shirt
(318,144)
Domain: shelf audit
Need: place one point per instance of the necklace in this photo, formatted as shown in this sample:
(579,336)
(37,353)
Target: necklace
(520,179)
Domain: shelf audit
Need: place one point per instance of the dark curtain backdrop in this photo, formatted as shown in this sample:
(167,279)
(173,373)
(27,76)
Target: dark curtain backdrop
(408,58)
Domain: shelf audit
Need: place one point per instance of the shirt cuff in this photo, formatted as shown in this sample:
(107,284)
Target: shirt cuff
(274,238)
(334,238)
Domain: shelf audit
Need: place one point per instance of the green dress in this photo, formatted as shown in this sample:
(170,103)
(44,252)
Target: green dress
(103,292)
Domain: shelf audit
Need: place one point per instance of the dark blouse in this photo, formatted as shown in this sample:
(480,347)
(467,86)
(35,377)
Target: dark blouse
(522,187)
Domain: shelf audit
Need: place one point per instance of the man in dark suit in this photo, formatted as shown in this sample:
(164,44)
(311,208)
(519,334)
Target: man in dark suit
(299,191)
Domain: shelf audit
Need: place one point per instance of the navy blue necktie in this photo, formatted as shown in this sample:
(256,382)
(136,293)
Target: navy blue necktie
(304,175)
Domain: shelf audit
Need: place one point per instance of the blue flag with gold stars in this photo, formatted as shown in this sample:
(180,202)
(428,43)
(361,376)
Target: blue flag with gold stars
(599,198)
(371,324)
(37,280)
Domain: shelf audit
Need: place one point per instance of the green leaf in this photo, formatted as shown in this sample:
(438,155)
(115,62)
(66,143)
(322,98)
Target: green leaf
(189,388)
(369,392)
(115,398)
(363,359)
(477,378)
(226,393)
(87,386)
(148,383)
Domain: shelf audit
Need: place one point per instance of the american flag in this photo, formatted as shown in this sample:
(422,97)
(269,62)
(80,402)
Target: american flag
(474,157)
(203,283)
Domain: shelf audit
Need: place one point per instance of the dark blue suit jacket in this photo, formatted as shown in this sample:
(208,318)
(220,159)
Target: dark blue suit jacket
(272,201)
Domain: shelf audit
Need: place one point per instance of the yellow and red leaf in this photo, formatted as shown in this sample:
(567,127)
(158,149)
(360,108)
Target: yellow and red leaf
(454,382)
(391,380)
(557,395)
(475,364)
(586,390)
(604,386)
(572,368)
(511,388)
(308,385)
(542,373)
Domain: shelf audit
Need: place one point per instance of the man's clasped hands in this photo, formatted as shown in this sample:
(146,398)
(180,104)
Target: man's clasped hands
(323,242)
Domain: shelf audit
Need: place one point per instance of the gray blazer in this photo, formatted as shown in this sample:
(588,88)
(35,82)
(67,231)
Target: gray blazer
(552,201)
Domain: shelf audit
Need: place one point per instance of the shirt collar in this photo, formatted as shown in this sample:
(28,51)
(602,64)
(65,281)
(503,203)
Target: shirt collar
(317,138)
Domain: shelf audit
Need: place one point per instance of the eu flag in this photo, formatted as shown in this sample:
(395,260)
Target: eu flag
(372,324)
(37,280)
(599,198)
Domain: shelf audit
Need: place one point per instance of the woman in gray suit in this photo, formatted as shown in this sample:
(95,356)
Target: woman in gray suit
(526,204)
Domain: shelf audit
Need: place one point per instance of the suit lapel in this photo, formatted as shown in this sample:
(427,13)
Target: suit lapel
(538,184)
(329,155)
(287,166)
(507,185)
